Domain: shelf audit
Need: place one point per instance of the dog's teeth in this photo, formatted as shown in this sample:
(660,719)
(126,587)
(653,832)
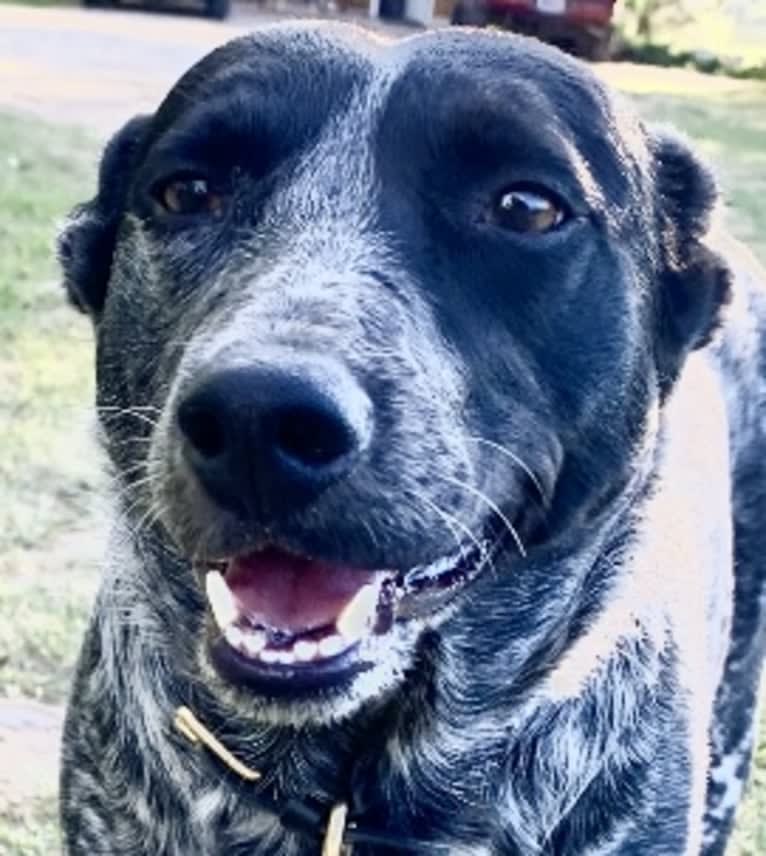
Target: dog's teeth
(285,658)
(268,655)
(359,614)
(254,642)
(235,637)
(441,565)
(332,645)
(222,602)
(305,650)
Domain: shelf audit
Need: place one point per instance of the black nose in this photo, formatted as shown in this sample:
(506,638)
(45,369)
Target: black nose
(264,441)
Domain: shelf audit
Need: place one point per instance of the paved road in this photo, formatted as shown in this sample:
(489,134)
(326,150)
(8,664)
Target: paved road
(98,68)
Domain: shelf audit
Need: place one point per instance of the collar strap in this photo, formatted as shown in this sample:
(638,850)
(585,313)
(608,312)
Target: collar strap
(337,834)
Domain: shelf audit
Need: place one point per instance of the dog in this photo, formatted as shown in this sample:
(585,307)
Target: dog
(435,398)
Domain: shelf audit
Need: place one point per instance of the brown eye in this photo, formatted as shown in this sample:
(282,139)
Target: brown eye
(190,196)
(528,210)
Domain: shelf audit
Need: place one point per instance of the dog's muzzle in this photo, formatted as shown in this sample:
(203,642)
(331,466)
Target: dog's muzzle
(264,442)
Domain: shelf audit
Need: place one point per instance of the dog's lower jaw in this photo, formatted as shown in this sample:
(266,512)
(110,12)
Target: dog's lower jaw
(370,688)
(416,768)
(525,781)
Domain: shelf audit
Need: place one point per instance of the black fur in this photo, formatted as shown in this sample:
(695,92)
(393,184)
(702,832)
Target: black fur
(86,244)
(545,384)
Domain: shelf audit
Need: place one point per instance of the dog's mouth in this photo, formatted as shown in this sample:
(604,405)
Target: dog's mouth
(289,623)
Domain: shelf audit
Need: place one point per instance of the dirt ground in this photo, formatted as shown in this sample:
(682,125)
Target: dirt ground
(29,736)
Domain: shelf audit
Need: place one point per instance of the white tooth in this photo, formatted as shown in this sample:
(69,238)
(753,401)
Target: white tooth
(254,642)
(286,657)
(222,601)
(268,655)
(235,637)
(305,650)
(359,614)
(445,564)
(332,645)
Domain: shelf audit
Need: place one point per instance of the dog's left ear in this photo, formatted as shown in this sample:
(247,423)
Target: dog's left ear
(695,281)
(86,243)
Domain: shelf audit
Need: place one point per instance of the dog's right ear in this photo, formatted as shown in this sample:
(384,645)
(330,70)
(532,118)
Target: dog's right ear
(86,243)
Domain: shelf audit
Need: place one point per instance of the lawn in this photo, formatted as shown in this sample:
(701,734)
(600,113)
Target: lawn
(733,31)
(47,466)
(50,526)
(48,471)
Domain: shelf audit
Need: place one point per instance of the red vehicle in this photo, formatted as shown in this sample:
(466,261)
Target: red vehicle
(583,27)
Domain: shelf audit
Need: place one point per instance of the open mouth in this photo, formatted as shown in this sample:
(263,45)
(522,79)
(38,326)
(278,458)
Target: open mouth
(289,624)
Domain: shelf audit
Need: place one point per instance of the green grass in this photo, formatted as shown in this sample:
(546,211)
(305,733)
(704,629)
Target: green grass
(49,475)
(731,133)
(29,829)
(43,171)
(697,32)
(47,472)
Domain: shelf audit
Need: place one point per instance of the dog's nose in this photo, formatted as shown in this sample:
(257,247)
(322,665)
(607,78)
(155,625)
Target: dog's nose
(264,440)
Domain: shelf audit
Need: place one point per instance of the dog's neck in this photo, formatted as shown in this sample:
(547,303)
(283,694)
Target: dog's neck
(420,742)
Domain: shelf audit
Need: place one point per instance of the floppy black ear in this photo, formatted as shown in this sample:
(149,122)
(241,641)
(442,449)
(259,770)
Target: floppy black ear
(695,281)
(86,243)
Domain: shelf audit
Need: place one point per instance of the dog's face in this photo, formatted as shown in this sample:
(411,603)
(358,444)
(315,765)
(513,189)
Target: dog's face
(377,326)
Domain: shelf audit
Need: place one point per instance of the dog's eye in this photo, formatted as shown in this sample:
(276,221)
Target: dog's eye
(190,196)
(528,209)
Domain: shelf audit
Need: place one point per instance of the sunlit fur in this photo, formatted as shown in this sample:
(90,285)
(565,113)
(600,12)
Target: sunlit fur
(598,392)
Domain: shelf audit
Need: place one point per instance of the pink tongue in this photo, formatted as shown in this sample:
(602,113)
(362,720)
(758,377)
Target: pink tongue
(292,593)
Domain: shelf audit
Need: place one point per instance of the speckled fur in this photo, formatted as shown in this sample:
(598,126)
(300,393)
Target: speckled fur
(595,696)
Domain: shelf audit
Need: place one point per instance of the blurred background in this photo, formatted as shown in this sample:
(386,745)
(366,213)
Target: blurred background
(69,76)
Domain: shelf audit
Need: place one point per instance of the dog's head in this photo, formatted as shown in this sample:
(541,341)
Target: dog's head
(376,325)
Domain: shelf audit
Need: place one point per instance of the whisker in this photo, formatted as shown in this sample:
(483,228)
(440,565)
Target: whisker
(130,507)
(119,477)
(131,487)
(102,408)
(152,515)
(494,507)
(515,458)
(142,417)
(126,441)
(445,517)
(451,521)
(370,533)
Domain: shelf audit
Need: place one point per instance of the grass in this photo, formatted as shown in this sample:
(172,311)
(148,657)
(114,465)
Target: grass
(49,474)
(47,469)
(708,34)
(730,132)
(31,830)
